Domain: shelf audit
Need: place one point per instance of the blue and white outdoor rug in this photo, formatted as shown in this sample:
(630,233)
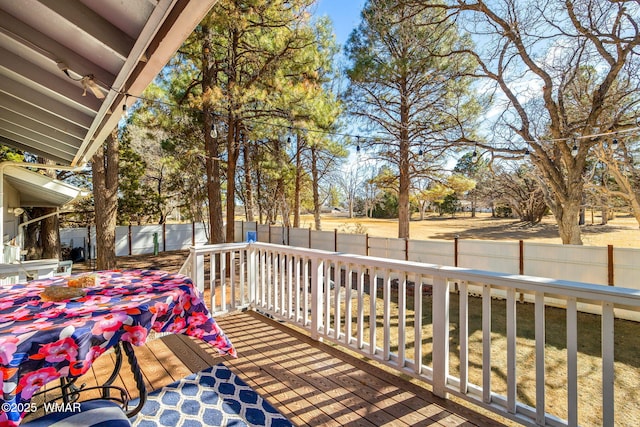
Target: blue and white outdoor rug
(213,397)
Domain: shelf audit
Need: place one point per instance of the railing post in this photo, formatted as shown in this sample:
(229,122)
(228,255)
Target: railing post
(251,273)
(198,268)
(440,336)
(317,267)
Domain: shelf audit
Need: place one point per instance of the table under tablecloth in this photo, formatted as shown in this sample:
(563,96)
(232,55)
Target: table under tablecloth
(44,341)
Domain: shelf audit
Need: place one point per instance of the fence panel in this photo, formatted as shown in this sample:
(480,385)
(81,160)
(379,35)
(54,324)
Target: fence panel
(440,252)
(299,237)
(202,233)
(626,268)
(323,240)
(263,233)
(502,257)
(352,243)
(586,264)
(278,235)
(178,236)
(142,239)
(122,241)
(387,248)
(73,237)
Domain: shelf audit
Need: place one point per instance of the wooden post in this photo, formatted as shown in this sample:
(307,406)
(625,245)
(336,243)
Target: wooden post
(164,237)
(129,238)
(309,237)
(367,244)
(455,251)
(521,267)
(335,240)
(610,265)
(269,233)
(242,238)
(288,235)
(193,233)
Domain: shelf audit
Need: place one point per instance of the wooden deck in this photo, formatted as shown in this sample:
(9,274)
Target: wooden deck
(311,383)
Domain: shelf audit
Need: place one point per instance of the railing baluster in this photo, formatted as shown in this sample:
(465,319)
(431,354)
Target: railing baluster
(464,336)
(283,283)
(402,319)
(572,362)
(608,373)
(512,381)
(326,298)
(360,321)
(242,261)
(373,317)
(486,343)
(290,287)
(540,343)
(307,284)
(417,307)
(348,322)
(337,308)
(223,280)
(440,335)
(298,315)
(212,279)
(386,314)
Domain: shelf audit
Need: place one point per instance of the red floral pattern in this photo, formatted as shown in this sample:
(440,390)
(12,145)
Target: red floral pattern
(43,341)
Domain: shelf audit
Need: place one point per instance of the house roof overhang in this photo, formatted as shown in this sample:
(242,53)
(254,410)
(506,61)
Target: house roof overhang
(37,190)
(55,54)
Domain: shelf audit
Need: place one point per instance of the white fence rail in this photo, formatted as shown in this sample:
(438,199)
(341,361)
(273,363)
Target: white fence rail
(406,315)
(589,264)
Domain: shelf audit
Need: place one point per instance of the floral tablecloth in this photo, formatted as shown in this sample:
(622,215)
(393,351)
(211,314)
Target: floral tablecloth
(43,341)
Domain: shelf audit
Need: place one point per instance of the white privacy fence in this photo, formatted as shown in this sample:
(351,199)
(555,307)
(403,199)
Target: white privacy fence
(589,264)
(407,316)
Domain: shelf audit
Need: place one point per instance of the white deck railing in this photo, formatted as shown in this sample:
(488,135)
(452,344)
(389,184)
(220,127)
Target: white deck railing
(395,304)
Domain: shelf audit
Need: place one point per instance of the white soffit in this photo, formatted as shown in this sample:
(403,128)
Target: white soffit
(123,44)
(37,190)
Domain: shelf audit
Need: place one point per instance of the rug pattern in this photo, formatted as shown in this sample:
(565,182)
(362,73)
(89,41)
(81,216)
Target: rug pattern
(212,397)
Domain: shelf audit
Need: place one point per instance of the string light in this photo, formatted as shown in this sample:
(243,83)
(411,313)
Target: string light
(614,144)
(475,155)
(125,113)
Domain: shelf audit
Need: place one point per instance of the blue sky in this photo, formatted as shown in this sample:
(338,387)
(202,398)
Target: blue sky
(345,15)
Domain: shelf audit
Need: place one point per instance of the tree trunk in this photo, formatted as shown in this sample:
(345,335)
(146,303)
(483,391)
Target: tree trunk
(567,216)
(49,228)
(248,182)
(315,185)
(296,206)
(105,193)
(403,193)
(232,161)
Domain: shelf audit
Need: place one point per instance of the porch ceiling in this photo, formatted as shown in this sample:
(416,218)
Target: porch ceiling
(52,52)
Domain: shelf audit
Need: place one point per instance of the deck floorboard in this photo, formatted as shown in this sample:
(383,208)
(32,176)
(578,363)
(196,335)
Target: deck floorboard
(311,383)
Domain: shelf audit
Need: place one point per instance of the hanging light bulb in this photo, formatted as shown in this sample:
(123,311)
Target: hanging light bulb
(358,144)
(214,131)
(527,152)
(125,113)
(614,144)
(420,152)
(574,149)
(474,156)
